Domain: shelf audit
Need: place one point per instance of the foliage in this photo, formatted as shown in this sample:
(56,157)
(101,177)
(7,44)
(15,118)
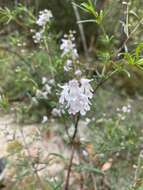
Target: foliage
(36,69)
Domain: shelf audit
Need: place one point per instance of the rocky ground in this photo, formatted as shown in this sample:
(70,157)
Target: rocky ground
(44,148)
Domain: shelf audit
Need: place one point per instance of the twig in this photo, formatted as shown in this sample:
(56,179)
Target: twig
(104,80)
(69,169)
(81,30)
(72,154)
(76,127)
(127,39)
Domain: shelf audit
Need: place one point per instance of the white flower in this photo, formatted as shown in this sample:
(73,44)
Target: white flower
(80,103)
(76,96)
(123,118)
(68,65)
(126,109)
(47,88)
(68,47)
(19,44)
(118,109)
(38,36)
(44,119)
(85,153)
(87,120)
(44,17)
(86,87)
(56,112)
(34,101)
(64,94)
(44,80)
(129,106)
(78,73)
(51,81)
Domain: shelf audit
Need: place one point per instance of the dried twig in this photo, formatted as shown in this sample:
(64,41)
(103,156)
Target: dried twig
(72,154)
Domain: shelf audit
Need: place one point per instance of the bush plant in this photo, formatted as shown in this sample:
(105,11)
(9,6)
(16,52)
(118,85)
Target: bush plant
(50,80)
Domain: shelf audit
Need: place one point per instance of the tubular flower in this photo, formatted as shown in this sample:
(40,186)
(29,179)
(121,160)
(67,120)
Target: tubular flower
(86,87)
(76,95)
(44,17)
(68,46)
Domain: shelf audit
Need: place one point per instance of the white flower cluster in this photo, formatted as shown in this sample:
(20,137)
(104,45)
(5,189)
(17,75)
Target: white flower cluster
(44,18)
(46,90)
(76,95)
(126,109)
(69,50)
(123,111)
(37,37)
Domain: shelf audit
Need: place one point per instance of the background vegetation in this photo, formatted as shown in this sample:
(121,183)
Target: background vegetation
(110,153)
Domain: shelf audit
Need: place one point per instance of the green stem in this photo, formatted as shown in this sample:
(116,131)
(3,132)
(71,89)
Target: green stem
(49,53)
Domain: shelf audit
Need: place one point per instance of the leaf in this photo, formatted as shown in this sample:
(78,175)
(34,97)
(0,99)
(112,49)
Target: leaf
(89,168)
(103,70)
(138,50)
(140,62)
(100,17)
(79,6)
(85,21)
(128,74)
(129,58)
(125,27)
(133,13)
(89,7)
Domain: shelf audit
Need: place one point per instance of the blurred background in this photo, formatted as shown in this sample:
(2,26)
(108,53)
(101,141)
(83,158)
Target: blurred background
(65,20)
